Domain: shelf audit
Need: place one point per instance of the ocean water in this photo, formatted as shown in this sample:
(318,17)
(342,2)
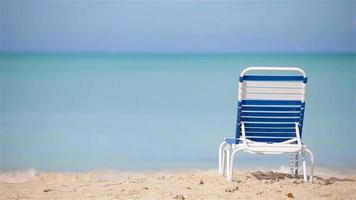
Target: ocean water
(79,112)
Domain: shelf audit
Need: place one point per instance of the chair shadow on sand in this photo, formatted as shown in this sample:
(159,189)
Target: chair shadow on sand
(276,176)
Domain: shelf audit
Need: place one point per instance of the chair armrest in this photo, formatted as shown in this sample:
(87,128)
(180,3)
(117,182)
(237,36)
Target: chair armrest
(299,141)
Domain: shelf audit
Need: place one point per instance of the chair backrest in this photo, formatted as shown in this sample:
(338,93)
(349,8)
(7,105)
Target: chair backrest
(269,106)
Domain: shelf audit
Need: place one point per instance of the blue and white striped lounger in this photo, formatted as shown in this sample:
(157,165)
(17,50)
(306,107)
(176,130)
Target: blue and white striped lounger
(270,117)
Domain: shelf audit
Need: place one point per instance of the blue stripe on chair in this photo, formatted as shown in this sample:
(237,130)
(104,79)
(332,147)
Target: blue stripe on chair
(291,125)
(250,119)
(276,135)
(272,78)
(238,132)
(269,140)
(241,79)
(255,108)
(270,102)
(262,114)
(270,130)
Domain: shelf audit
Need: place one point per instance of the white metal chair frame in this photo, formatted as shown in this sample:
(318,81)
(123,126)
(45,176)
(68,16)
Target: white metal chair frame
(293,146)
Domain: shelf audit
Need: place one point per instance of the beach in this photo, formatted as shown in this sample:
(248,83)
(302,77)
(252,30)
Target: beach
(104,100)
(192,184)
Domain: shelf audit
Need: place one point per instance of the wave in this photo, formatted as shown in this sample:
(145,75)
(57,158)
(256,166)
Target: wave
(17,176)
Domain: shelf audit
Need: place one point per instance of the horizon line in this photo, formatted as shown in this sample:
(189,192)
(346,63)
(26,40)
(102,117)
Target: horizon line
(176,53)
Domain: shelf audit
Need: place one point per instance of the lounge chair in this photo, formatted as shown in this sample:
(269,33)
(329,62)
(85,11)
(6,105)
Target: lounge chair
(270,117)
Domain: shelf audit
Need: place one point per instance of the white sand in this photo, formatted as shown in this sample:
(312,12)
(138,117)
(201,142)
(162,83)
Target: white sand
(171,185)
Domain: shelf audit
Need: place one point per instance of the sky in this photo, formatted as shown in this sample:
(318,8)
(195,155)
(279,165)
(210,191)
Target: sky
(178,27)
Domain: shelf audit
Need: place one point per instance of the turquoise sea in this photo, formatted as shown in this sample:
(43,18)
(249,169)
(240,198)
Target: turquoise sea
(78,112)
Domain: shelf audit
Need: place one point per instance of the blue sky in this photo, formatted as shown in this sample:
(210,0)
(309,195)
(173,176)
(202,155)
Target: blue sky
(171,26)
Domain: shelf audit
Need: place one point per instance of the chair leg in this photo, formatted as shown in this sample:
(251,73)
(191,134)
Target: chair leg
(223,162)
(304,167)
(293,164)
(312,164)
(231,163)
(222,156)
(228,161)
(296,164)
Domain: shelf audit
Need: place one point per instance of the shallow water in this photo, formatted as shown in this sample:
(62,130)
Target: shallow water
(80,112)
